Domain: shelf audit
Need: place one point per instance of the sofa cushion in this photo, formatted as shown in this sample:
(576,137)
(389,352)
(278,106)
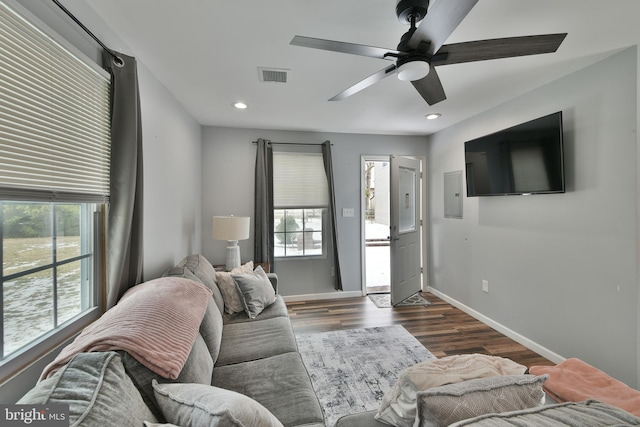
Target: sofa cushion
(98,392)
(590,413)
(398,406)
(242,342)
(202,268)
(195,405)
(229,289)
(277,309)
(280,383)
(182,272)
(447,404)
(256,292)
(197,369)
(211,329)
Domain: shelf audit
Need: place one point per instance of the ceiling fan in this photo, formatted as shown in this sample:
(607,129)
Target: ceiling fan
(422,48)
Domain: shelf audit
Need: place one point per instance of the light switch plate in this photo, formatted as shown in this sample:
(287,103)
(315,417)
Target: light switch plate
(348,212)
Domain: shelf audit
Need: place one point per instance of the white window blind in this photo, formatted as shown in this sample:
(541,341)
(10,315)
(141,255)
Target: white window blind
(54,117)
(299,180)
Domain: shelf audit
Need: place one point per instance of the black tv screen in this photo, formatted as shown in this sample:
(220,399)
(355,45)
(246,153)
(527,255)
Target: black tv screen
(523,159)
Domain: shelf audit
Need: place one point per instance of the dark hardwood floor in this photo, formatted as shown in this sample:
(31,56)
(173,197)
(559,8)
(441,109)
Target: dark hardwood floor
(440,327)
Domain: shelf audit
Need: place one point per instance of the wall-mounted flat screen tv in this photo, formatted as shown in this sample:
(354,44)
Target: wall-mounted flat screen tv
(523,159)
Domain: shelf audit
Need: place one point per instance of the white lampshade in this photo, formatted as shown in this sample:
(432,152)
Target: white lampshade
(413,70)
(231,227)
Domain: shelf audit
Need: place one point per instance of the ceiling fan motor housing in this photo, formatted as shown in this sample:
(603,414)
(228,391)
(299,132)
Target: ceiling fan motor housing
(408,9)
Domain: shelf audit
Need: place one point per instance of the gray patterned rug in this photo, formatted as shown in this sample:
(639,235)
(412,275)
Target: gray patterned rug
(351,370)
(384,300)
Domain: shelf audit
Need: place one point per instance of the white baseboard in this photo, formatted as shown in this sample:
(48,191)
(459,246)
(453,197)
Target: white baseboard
(531,345)
(322,296)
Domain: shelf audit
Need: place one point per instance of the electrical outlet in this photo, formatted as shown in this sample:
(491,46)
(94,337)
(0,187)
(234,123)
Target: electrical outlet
(485,286)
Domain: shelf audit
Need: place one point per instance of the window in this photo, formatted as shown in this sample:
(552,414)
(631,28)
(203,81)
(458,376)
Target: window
(299,232)
(300,195)
(47,268)
(54,182)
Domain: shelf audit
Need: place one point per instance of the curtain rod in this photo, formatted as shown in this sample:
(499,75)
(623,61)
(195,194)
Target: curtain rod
(118,60)
(291,143)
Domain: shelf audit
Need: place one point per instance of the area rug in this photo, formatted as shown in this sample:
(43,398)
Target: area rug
(384,300)
(351,370)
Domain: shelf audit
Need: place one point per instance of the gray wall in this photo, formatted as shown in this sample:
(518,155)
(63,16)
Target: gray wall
(172,177)
(562,267)
(228,162)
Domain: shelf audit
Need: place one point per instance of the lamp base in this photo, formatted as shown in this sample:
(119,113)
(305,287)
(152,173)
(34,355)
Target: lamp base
(233,255)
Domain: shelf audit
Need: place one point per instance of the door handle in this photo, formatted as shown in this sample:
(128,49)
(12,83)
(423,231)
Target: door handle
(395,238)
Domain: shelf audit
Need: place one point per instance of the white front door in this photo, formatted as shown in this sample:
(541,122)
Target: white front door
(405,228)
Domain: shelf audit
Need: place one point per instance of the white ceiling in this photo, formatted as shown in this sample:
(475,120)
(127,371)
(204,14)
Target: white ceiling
(206,52)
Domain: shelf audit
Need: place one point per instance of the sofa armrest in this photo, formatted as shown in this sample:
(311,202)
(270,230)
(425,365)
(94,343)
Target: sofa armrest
(273,277)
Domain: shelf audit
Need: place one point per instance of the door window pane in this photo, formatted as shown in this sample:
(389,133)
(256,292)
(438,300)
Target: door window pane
(407,202)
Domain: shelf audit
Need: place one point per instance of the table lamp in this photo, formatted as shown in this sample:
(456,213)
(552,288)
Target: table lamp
(231,228)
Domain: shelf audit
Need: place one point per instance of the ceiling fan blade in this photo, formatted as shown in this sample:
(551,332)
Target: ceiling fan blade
(430,87)
(363,84)
(343,47)
(442,19)
(482,50)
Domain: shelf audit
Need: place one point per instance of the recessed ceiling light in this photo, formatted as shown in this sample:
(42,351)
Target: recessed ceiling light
(433,116)
(240,105)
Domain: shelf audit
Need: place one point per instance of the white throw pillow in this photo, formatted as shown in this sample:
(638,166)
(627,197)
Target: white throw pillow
(229,290)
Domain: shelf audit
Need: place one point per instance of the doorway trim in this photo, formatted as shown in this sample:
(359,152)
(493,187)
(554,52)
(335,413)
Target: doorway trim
(423,216)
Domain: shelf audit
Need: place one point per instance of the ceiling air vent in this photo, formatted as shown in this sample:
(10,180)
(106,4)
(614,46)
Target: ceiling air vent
(275,75)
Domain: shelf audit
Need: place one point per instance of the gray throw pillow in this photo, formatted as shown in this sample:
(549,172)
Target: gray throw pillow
(195,405)
(98,391)
(588,413)
(255,290)
(444,405)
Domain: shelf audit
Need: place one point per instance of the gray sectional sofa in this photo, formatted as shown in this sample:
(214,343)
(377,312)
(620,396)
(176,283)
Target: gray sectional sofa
(239,369)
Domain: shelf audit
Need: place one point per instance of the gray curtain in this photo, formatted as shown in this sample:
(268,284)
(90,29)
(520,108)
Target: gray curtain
(263,205)
(328,168)
(124,221)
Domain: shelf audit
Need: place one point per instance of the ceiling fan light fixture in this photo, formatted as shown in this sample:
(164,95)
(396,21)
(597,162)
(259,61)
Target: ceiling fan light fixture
(413,70)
